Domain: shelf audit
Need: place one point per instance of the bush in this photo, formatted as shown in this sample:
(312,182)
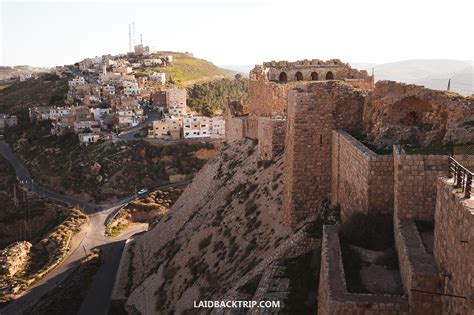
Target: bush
(205,242)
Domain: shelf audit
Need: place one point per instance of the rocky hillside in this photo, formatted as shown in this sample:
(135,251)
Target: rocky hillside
(30,218)
(224,224)
(104,171)
(222,239)
(43,91)
(185,70)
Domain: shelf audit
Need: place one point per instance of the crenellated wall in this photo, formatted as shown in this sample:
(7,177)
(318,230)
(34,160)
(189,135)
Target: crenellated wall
(312,70)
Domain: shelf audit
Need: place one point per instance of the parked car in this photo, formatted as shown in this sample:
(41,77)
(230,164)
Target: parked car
(142,191)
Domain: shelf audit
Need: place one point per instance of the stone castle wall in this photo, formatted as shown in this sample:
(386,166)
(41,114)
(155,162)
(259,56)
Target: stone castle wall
(333,297)
(454,248)
(271,137)
(312,70)
(415,184)
(237,128)
(314,111)
(418,269)
(267,99)
(362,181)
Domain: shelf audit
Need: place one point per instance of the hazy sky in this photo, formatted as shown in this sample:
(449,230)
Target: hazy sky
(244,32)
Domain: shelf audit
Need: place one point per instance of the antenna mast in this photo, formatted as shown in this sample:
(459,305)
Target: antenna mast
(133,32)
(129,38)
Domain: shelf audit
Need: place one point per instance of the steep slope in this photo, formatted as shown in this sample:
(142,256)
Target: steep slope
(227,222)
(22,95)
(186,70)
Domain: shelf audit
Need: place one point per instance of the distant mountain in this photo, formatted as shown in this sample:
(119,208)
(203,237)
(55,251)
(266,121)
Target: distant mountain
(433,74)
(243,69)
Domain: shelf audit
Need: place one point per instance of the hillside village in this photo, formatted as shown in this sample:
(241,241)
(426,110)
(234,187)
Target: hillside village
(107,97)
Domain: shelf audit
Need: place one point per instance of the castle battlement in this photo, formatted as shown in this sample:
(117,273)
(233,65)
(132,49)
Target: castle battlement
(307,70)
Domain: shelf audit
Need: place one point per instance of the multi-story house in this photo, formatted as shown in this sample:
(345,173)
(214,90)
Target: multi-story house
(130,88)
(39,113)
(169,129)
(196,127)
(88,126)
(77,81)
(158,77)
(88,138)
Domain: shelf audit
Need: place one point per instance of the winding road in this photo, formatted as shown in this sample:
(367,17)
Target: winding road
(92,236)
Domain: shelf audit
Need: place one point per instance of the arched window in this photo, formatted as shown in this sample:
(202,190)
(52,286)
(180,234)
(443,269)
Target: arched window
(314,76)
(329,76)
(283,77)
(299,76)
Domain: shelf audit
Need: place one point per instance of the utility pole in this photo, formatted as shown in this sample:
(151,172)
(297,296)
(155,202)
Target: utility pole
(15,199)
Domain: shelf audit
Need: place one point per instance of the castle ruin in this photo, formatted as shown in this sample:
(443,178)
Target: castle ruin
(313,112)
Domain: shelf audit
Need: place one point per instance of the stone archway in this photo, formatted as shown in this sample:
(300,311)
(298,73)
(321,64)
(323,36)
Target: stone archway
(299,76)
(314,76)
(283,77)
(329,76)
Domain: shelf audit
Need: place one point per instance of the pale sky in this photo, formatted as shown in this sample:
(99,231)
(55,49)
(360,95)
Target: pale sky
(247,32)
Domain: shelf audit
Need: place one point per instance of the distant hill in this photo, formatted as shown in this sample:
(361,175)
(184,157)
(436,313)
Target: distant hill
(186,70)
(433,74)
(6,71)
(242,69)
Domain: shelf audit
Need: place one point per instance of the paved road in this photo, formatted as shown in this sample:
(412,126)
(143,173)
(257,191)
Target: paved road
(92,236)
(127,135)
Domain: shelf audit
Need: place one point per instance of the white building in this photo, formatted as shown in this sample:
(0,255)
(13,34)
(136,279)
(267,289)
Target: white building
(130,88)
(58,112)
(129,116)
(158,77)
(152,62)
(77,81)
(88,138)
(99,113)
(24,77)
(196,127)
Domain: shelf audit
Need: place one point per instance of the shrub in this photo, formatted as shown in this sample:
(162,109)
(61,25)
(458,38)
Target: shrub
(205,242)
